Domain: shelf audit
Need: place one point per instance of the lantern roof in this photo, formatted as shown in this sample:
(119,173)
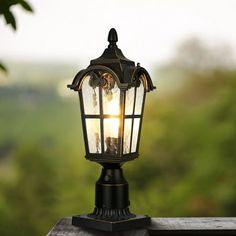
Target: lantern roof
(113,56)
(113,60)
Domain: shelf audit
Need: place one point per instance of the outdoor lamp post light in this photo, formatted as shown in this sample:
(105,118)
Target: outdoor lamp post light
(112,93)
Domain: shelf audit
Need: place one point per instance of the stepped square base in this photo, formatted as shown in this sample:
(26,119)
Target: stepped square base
(139,221)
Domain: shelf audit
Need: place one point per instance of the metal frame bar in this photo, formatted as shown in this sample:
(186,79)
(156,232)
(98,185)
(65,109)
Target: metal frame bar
(112,116)
(83,122)
(140,123)
(112,158)
(101,119)
(132,125)
(122,115)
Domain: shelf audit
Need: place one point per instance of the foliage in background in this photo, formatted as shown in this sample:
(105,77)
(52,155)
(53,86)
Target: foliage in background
(5,11)
(188,166)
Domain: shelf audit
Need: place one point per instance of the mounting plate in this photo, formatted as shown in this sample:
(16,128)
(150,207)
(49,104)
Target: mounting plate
(139,221)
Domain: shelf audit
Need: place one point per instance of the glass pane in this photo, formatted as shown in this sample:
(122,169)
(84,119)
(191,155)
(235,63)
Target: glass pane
(127,136)
(94,135)
(90,97)
(139,99)
(111,96)
(135,134)
(111,129)
(129,101)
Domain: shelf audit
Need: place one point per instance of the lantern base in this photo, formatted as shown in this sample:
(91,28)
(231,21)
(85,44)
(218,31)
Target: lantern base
(111,212)
(139,221)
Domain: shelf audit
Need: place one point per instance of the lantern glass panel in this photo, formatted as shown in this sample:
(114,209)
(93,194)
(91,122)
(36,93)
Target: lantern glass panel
(111,96)
(135,134)
(139,99)
(111,130)
(127,135)
(90,97)
(129,101)
(93,135)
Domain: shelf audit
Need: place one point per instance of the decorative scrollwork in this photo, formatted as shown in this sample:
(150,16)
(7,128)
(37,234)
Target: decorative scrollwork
(112,214)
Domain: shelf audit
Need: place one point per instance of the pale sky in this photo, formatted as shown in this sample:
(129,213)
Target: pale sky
(148,31)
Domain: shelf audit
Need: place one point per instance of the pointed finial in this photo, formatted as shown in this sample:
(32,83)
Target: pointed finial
(112,37)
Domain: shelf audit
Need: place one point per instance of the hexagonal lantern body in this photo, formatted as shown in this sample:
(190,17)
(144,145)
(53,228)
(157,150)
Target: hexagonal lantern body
(112,94)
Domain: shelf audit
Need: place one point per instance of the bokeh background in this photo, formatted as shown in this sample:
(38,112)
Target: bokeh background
(187,165)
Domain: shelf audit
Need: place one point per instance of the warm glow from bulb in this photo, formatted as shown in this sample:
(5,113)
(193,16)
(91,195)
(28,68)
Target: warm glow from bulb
(111,101)
(112,107)
(112,127)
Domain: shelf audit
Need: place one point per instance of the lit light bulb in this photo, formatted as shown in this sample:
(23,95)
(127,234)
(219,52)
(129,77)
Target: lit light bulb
(111,107)
(112,127)
(111,101)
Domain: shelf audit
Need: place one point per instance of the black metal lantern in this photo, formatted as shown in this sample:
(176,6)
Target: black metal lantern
(112,93)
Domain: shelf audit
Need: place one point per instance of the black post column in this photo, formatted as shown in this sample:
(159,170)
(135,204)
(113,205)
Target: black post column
(112,195)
